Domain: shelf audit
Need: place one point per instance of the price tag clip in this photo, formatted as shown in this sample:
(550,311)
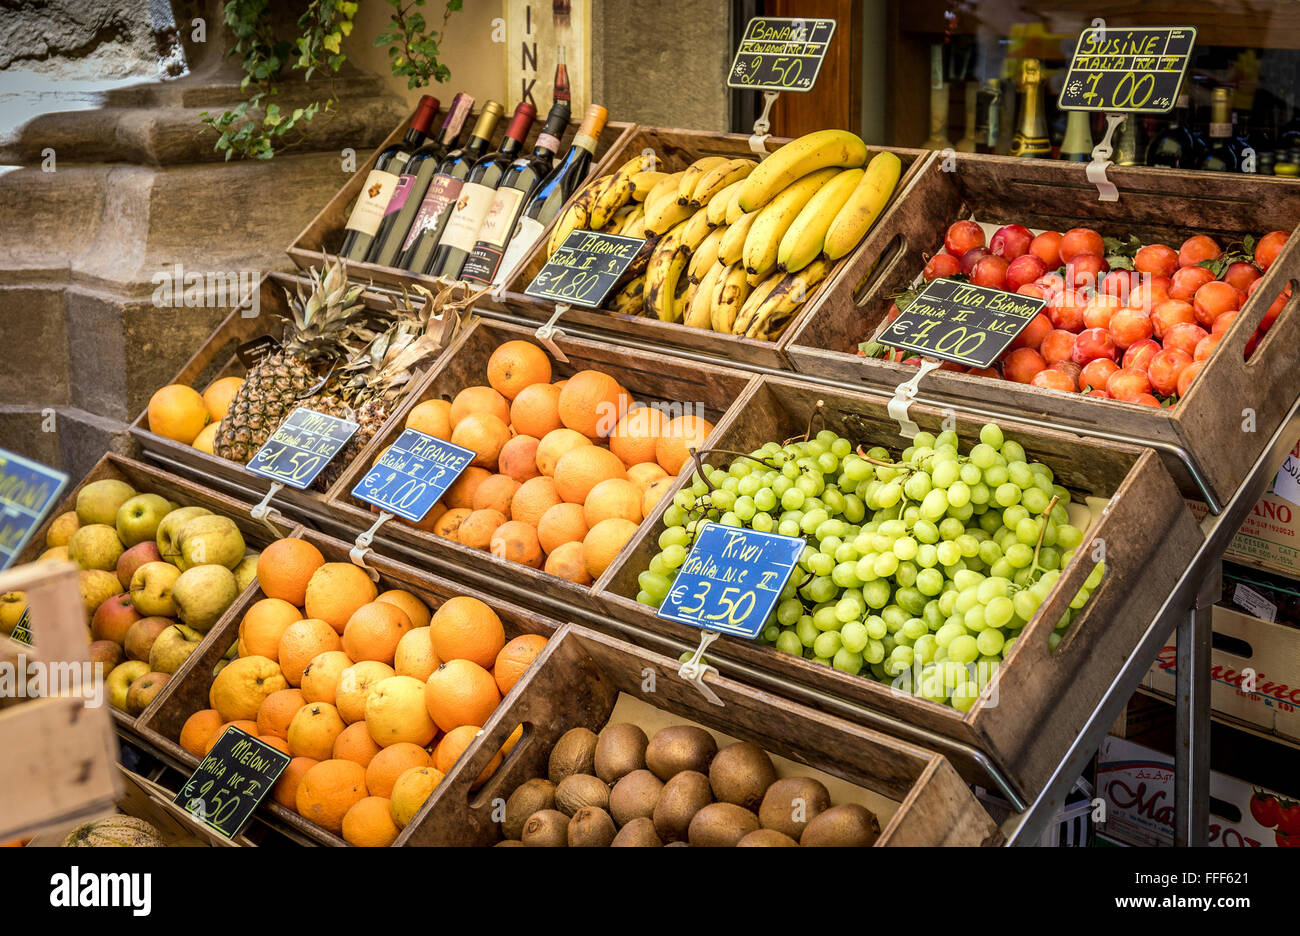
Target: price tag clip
(362,545)
(262,509)
(695,669)
(904,394)
(763,125)
(1101,153)
(547,333)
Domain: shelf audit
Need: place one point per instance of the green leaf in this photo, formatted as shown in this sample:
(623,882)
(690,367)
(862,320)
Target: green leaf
(331,42)
(1120,262)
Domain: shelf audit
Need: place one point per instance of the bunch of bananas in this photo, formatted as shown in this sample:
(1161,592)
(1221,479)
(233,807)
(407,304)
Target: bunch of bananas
(732,245)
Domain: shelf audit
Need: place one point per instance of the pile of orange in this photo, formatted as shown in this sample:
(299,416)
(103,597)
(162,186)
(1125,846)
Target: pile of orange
(372,696)
(565,470)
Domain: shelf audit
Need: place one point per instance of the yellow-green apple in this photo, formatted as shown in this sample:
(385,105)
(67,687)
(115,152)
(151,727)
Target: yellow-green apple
(97,586)
(138,518)
(99,501)
(210,540)
(118,682)
(61,529)
(173,647)
(135,557)
(246,571)
(143,691)
(141,636)
(113,619)
(203,593)
(151,589)
(171,526)
(95,546)
(12,605)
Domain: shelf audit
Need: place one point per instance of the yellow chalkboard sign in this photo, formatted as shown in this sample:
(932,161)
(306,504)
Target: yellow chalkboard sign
(1134,71)
(956,321)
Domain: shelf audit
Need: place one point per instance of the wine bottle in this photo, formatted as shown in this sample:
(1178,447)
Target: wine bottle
(1031,138)
(461,232)
(987,121)
(1173,147)
(519,181)
(444,189)
(414,183)
(554,191)
(380,184)
(1077,145)
(1224,153)
(1254,145)
(561,90)
(1128,143)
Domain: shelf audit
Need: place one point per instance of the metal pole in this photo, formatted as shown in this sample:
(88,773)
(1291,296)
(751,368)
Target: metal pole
(1192,703)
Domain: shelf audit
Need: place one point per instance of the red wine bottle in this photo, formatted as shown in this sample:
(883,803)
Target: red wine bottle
(380,184)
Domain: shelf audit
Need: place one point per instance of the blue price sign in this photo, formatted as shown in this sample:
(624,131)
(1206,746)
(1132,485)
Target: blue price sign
(302,446)
(27,492)
(731,580)
(410,477)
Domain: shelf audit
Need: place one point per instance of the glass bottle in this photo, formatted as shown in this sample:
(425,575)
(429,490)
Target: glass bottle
(1031,138)
(1174,147)
(1224,154)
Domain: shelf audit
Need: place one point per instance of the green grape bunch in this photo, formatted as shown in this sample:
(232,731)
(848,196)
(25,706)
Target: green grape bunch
(919,572)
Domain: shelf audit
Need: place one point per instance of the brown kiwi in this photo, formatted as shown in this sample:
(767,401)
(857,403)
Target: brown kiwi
(681,798)
(678,748)
(741,773)
(620,749)
(591,827)
(528,798)
(791,803)
(574,753)
(639,833)
(721,824)
(848,825)
(766,838)
(634,797)
(580,790)
(547,828)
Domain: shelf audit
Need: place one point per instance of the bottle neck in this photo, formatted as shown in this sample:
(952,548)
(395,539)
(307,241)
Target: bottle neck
(510,147)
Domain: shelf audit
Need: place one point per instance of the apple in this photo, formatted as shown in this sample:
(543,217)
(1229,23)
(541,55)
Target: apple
(151,589)
(61,529)
(210,540)
(246,571)
(12,605)
(119,681)
(95,546)
(142,634)
(143,691)
(138,518)
(135,557)
(203,593)
(107,653)
(98,502)
(113,619)
(171,526)
(97,586)
(173,647)
(54,554)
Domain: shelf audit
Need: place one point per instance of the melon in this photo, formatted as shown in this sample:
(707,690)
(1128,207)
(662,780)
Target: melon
(116,831)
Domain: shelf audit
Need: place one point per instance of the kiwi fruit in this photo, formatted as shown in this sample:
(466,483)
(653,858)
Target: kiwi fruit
(681,798)
(741,773)
(848,825)
(530,797)
(791,803)
(620,749)
(721,824)
(634,797)
(578,790)
(678,748)
(639,833)
(591,827)
(766,838)
(574,753)
(548,828)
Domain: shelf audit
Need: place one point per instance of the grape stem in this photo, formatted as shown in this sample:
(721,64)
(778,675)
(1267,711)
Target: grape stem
(1047,515)
(812,417)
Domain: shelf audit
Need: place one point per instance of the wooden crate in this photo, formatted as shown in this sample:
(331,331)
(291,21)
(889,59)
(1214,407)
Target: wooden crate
(324,235)
(580,678)
(647,376)
(1160,204)
(678,149)
(1042,696)
(160,725)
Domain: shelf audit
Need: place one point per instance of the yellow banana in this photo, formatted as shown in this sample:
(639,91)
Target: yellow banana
(730,290)
(798,158)
(618,191)
(732,248)
(634,224)
(664,188)
(705,255)
(664,215)
(718,204)
(755,299)
(753,279)
(698,313)
(696,230)
(662,273)
(573,218)
(643,182)
(803,240)
(719,178)
(855,218)
(774,219)
(775,310)
(615,224)
(629,300)
(733,206)
(683,298)
(686,184)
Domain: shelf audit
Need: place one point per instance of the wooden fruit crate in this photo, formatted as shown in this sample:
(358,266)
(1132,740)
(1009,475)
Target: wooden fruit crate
(647,376)
(1161,204)
(324,235)
(1035,706)
(187,693)
(678,149)
(582,677)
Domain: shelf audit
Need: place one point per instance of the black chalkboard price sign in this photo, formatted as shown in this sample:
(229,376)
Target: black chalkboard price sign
(231,781)
(780,53)
(301,447)
(960,322)
(585,268)
(1133,71)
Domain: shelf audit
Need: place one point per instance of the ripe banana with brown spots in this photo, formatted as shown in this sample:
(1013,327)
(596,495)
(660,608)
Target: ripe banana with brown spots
(699,313)
(773,312)
(705,255)
(665,268)
(730,290)
(715,180)
(692,174)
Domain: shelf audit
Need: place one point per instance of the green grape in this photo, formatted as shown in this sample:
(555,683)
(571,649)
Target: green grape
(1053,640)
(990,522)
(845,552)
(654,585)
(980,494)
(963,649)
(1007,495)
(925,648)
(910,599)
(998,613)
(983,456)
(876,627)
(1025,603)
(743,466)
(875,652)
(1027,530)
(806,631)
(658,566)
(1013,452)
(967,599)
(895,617)
(731,485)
(672,536)
(827,463)
(810,484)
(812,519)
(788,642)
(948,602)
(674,516)
(674,556)
(745,508)
(1019,555)
(1069,537)
(911,514)
(763,523)
(946,474)
(906,574)
(789,611)
(925,531)
(947,633)
(764,499)
(935,505)
(1034,500)
(1018,473)
(958,494)
(854,509)
(1095,576)
(1006,647)
(974,620)
(794,515)
(950,528)
(834,501)
(969,545)
(865,568)
(826,644)
(645,599)
(876,594)
(793,499)
(845,575)
(929,581)
(856,469)
(964,696)
(1049,558)
(780,485)
(1065,620)
(900,659)
(927,556)
(915,628)
(1080,599)
(924,439)
(933,616)
(991,435)
(848,609)
(949,553)
(892,529)
(821,589)
(995,475)
(790,470)
(962,513)
(989,552)
(788,527)
(854,636)
(905,548)
(770,633)
(830,527)
(886,564)
(847,661)
(917,486)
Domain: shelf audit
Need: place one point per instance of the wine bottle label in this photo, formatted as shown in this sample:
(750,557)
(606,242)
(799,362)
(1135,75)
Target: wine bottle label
(400,193)
(548,141)
(1221,130)
(481,266)
(467,218)
(527,233)
(369,209)
(442,194)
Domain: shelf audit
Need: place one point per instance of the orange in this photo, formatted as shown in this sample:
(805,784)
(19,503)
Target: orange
(514,659)
(655,493)
(431,519)
(415,656)
(466,628)
(483,434)
(616,497)
(198,728)
(263,626)
(206,440)
(560,384)
(460,693)
(555,444)
(634,438)
(368,825)
(301,642)
(177,412)
(457,741)
(476,532)
(242,724)
(536,411)
(414,607)
(461,492)
(511,741)
(320,678)
(277,712)
(335,591)
(448,525)
(646,474)
(355,744)
(478,400)
(516,541)
(395,712)
(580,470)
(432,417)
(592,403)
(682,433)
(516,365)
(285,567)
(567,563)
(373,631)
(496,493)
(410,792)
(355,685)
(285,791)
(279,744)
(313,731)
(328,790)
(518,459)
(241,686)
(603,542)
(390,763)
(534,498)
(563,523)
(219,394)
